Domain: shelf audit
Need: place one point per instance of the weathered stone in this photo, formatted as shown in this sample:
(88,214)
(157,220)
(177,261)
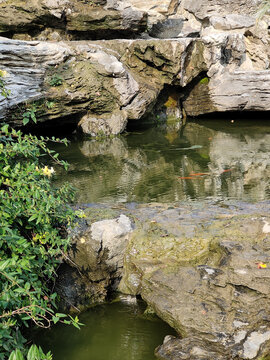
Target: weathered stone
(113,236)
(76,17)
(104,125)
(107,80)
(203,9)
(95,261)
(203,280)
(232,21)
(201,267)
(236,91)
(189,349)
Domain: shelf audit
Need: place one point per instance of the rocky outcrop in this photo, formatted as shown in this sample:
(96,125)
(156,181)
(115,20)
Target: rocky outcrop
(206,274)
(103,84)
(203,268)
(215,52)
(93,266)
(69,19)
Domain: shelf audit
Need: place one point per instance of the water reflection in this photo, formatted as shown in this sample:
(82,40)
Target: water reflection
(117,332)
(157,164)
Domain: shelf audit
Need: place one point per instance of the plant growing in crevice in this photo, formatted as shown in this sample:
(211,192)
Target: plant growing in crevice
(56,80)
(30,114)
(49,104)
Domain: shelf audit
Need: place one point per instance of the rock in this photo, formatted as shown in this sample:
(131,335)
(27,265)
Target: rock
(216,55)
(203,280)
(189,349)
(113,236)
(201,267)
(232,21)
(235,91)
(106,83)
(104,125)
(203,9)
(94,264)
(77,18)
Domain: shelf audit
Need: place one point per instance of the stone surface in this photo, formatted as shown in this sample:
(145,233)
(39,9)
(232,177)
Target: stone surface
(94,263)
(105,82)
(203,9)
(107,124)
(75,17)
(202,276)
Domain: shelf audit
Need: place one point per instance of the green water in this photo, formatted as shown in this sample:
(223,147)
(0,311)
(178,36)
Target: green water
(116,331)
(155,164)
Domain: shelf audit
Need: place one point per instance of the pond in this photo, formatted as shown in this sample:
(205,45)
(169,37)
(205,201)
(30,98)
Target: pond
(210,159)
(117,331)
(213,160)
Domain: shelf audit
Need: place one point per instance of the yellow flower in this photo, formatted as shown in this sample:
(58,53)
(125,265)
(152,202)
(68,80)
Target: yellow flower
(3,73)
(48,172)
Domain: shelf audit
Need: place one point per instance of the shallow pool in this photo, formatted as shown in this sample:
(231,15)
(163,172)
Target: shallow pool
(116,331)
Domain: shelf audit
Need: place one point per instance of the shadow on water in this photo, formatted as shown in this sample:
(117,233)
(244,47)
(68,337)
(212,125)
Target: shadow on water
(231,160)
(117,332)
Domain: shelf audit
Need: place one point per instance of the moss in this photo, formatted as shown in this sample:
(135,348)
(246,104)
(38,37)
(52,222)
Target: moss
(93,214)
(204,80)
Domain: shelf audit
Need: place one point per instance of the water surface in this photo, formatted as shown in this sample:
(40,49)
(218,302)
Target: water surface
(117,331)
(231,160)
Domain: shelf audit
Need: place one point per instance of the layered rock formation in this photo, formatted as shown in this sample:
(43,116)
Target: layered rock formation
(215,53)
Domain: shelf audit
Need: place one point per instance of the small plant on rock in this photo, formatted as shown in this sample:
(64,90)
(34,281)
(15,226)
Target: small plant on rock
(56,80)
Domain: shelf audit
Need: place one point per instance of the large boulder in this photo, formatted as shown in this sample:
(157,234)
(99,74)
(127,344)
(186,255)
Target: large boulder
(93,266)
(204,270)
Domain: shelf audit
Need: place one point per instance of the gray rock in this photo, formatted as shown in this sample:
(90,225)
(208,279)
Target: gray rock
(93,265)
(104,125)
(206,284)
(113,235)
(232,22)
(203,9)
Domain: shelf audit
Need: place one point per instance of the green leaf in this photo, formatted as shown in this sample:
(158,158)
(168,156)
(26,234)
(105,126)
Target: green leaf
(25,121)
(4,264)
(33,353)
(16,355)
(33,217)
(4,128)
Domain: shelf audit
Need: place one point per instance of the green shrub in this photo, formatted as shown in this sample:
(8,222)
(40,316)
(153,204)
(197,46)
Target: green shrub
(33,220)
